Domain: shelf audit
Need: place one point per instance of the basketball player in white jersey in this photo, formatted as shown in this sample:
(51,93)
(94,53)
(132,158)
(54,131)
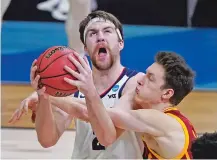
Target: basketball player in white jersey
(102,36)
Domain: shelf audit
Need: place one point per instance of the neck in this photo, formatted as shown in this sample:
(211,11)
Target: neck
(160,106)
(103,79)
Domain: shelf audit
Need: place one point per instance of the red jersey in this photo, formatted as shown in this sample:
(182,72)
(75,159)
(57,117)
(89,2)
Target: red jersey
(189,132)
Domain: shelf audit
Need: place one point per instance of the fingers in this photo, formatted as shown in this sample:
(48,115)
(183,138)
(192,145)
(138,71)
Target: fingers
(26,107)
(34,63)
(34,79)
(73,73)
(33,70)
(34,83)
(84,63)
(20,112)
(77,64)
(24,104)
(15,117)
(72,82)
(23,108)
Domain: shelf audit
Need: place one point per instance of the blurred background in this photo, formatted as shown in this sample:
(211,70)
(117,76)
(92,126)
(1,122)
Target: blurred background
(29,27)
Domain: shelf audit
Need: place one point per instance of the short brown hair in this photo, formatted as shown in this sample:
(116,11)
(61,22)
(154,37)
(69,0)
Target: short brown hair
(99,14)
(178,75)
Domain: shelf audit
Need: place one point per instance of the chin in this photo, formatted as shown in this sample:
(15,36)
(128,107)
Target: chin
(140,103)
(103,67)
(137,100)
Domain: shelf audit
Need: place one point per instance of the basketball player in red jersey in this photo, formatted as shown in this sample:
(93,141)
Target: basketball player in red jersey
(167,134)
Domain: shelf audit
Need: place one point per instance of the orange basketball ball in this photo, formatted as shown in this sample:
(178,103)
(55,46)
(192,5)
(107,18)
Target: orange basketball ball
(51,70)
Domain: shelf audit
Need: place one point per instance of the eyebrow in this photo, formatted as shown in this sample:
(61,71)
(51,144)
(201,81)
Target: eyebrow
(92,29)
(109,27)
(152,74)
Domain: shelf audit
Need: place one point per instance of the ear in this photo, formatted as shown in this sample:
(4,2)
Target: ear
(167,94)
(121,45)
(85,49)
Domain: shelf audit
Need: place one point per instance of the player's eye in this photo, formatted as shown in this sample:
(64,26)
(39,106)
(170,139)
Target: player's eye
(151,78)
(92,33)
(108,31)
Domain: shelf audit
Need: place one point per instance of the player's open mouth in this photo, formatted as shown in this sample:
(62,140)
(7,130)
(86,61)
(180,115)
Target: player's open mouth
(102,51)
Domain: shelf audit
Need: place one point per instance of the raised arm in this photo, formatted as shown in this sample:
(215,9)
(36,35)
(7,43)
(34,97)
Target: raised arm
(50,122)
(101,124)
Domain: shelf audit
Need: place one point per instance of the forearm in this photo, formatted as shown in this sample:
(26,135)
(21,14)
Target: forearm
(142,120)
(45,124)
(125,120)
(100,120)
(72,106)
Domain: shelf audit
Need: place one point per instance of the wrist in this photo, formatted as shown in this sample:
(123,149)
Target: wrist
(91,93)
(90,90)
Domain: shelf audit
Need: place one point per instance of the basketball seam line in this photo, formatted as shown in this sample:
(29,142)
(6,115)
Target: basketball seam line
(55,76)
(53,61)
(58,88)
(45,52)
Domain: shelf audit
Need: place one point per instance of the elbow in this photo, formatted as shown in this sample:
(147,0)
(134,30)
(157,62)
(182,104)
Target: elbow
(111,139)
(47,143)
(107,140)
(105,143)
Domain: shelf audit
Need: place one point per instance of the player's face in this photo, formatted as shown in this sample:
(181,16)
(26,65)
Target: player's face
(149,88)
(103,45)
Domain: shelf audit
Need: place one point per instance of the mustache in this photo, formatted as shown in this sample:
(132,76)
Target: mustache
(101,45)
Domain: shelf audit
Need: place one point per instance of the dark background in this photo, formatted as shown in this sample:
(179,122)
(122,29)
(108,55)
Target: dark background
(140,12)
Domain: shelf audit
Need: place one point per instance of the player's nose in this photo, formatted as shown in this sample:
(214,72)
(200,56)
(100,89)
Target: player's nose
(140,82)
(100,37)
(141,79)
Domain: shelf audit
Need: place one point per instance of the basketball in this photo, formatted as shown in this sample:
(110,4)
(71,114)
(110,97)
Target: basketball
(50,67)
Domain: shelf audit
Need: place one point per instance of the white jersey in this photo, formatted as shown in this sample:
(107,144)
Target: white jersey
(86,145)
